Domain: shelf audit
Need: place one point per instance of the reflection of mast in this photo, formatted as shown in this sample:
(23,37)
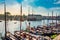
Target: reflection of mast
(20,18)
(13,18)
(5,17)
(43,21)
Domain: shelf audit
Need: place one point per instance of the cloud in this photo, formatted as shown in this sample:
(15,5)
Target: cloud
(10,2)
(13,9)
(44,3)
(39,6)
(40,11)
(1,1)
(36,3)
(58,2)
(19,1)
(43,11)
(55,8)
(1,9)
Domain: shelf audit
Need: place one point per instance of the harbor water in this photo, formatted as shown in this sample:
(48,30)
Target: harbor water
(15,25)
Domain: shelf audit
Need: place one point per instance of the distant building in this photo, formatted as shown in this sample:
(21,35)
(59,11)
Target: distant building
(34,17)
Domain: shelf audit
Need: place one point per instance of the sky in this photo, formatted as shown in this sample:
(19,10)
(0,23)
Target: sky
(40,7)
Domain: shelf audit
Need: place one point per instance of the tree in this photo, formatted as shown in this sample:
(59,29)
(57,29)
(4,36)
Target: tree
(24,16)
(8,13)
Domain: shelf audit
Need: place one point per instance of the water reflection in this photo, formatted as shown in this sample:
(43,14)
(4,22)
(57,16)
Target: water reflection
(15,25)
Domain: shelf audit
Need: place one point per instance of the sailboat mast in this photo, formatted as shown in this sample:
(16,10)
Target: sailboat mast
(48,19)
(20,18)
(32,11)
(28,14)
(5,17)
(52,16)
(56,19)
